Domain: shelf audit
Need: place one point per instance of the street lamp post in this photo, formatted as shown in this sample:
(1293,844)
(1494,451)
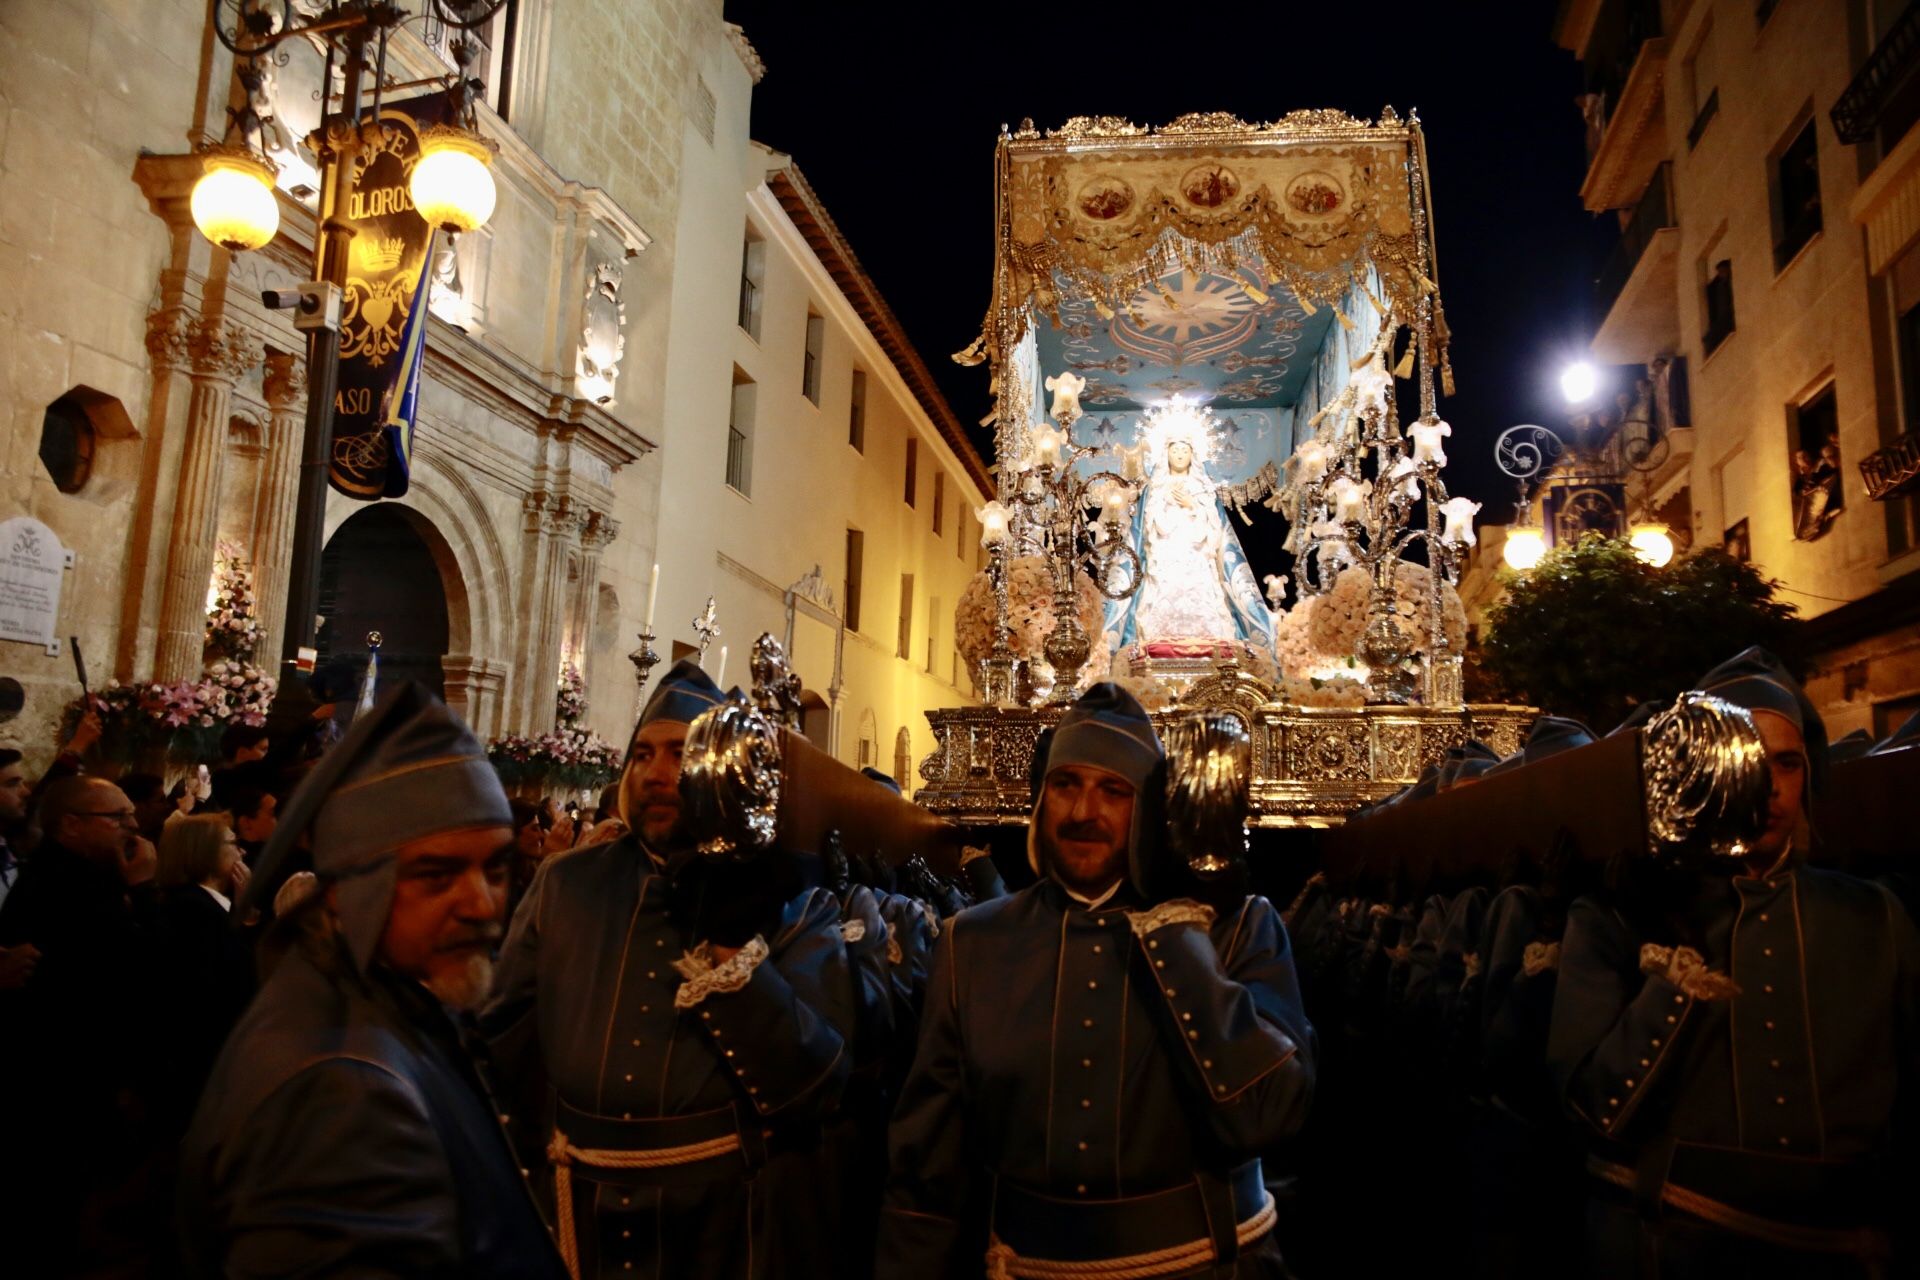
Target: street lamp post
(451,182)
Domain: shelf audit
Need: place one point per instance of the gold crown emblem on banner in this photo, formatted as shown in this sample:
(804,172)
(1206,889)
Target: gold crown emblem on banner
(381,255)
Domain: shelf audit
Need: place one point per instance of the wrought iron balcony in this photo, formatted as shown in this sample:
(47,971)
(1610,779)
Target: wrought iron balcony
(1857,112)
(1894,470)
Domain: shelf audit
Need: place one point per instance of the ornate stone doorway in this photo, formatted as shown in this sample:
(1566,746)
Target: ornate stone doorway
(381,572)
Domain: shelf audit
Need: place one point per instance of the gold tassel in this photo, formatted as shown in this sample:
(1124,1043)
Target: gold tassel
(1105,311)
(1306,303)
(1446,378)
(1258,294)
(1341,316)
(1168,297)
(1377,308)
(1360,362)
(1405,368)
(1426,285)
(973,354)
(1326,408)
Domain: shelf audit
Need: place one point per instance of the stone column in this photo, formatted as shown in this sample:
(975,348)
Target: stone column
(221,354)
(596,532)
(285,387)
(549,519)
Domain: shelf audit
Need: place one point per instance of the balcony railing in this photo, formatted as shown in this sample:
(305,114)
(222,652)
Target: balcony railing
(1623,26)
(749,306)
(737,457)
(1857,113)
(1894,470)
(1653,213)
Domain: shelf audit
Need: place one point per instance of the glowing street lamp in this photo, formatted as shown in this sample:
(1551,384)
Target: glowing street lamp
(233,202)
(452,182)
(1578,382)
(1526,547)
(1651,542)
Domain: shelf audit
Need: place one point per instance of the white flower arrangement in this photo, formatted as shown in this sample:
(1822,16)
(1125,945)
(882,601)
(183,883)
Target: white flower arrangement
(1030,617)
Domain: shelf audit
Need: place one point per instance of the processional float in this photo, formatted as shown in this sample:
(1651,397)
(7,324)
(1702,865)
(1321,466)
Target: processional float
(1224,315)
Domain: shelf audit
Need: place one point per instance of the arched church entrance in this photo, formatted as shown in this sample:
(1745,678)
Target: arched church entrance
(379,572)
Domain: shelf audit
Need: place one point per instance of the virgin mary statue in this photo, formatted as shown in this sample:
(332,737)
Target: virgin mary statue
(1197,590)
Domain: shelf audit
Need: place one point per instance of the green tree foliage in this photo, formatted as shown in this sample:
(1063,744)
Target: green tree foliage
(1592,630)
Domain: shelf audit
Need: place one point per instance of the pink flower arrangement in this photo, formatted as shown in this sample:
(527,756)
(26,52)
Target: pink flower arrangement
(573,757)
(570,702)
(1030,616)
(232,629)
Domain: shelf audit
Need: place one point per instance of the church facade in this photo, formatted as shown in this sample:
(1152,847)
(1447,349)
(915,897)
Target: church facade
(154,406)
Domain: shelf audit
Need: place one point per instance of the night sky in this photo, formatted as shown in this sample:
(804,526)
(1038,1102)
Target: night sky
(894,124)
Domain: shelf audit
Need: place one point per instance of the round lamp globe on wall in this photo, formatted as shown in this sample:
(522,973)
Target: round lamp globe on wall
(1525,547)
(452,182)
(233,203)
(1652,543)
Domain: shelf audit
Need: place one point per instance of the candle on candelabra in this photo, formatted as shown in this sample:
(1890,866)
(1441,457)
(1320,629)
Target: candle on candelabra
(1427,434)
(993,524)
(1114,503)
(720,673)
(1313,459)
(1046,447)
(653,589)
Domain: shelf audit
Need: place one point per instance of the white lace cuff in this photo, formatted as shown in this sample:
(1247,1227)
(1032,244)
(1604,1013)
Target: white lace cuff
(704,977)
(894,954)
(1177,911)
(853,930)
(1471,963)
(933,918)
(1539,957)
(972,853)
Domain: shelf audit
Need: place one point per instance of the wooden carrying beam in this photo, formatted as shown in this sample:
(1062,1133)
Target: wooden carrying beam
(819,794)
(1592,794)
(1865,819)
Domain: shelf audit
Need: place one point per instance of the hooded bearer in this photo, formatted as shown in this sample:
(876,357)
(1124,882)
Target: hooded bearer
(1736,1036)
(348,1129)
(1103,1056)
(685,1022)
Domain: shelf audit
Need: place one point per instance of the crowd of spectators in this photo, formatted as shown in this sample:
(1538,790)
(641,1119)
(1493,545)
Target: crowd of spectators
(124,964)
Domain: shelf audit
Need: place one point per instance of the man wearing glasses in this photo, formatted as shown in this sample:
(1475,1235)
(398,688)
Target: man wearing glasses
(77,1027)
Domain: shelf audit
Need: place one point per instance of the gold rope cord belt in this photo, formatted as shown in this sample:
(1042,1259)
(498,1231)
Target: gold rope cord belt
(564,1154)
(1856,1241)
(1004,1264)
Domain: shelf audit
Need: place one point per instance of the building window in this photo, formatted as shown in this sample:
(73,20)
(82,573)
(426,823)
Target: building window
(857,413)
(933,629)
(904,649)
(492,61)
(810,363)
(66,444)
(939,502)
(913,468)
(1736,543)
(753,278)
(1819,491)
(1702,83)
(856,564)
(903,760)
(967,534)
(1796,195)
(1717,290)
(740,434)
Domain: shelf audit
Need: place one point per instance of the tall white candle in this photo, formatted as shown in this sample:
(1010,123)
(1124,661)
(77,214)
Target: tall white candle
(653,589)
(720,675)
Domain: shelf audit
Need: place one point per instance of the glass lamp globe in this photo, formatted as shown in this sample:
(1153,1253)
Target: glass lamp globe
(233,202)
(452,182)
(1526,546)
(1652,543)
